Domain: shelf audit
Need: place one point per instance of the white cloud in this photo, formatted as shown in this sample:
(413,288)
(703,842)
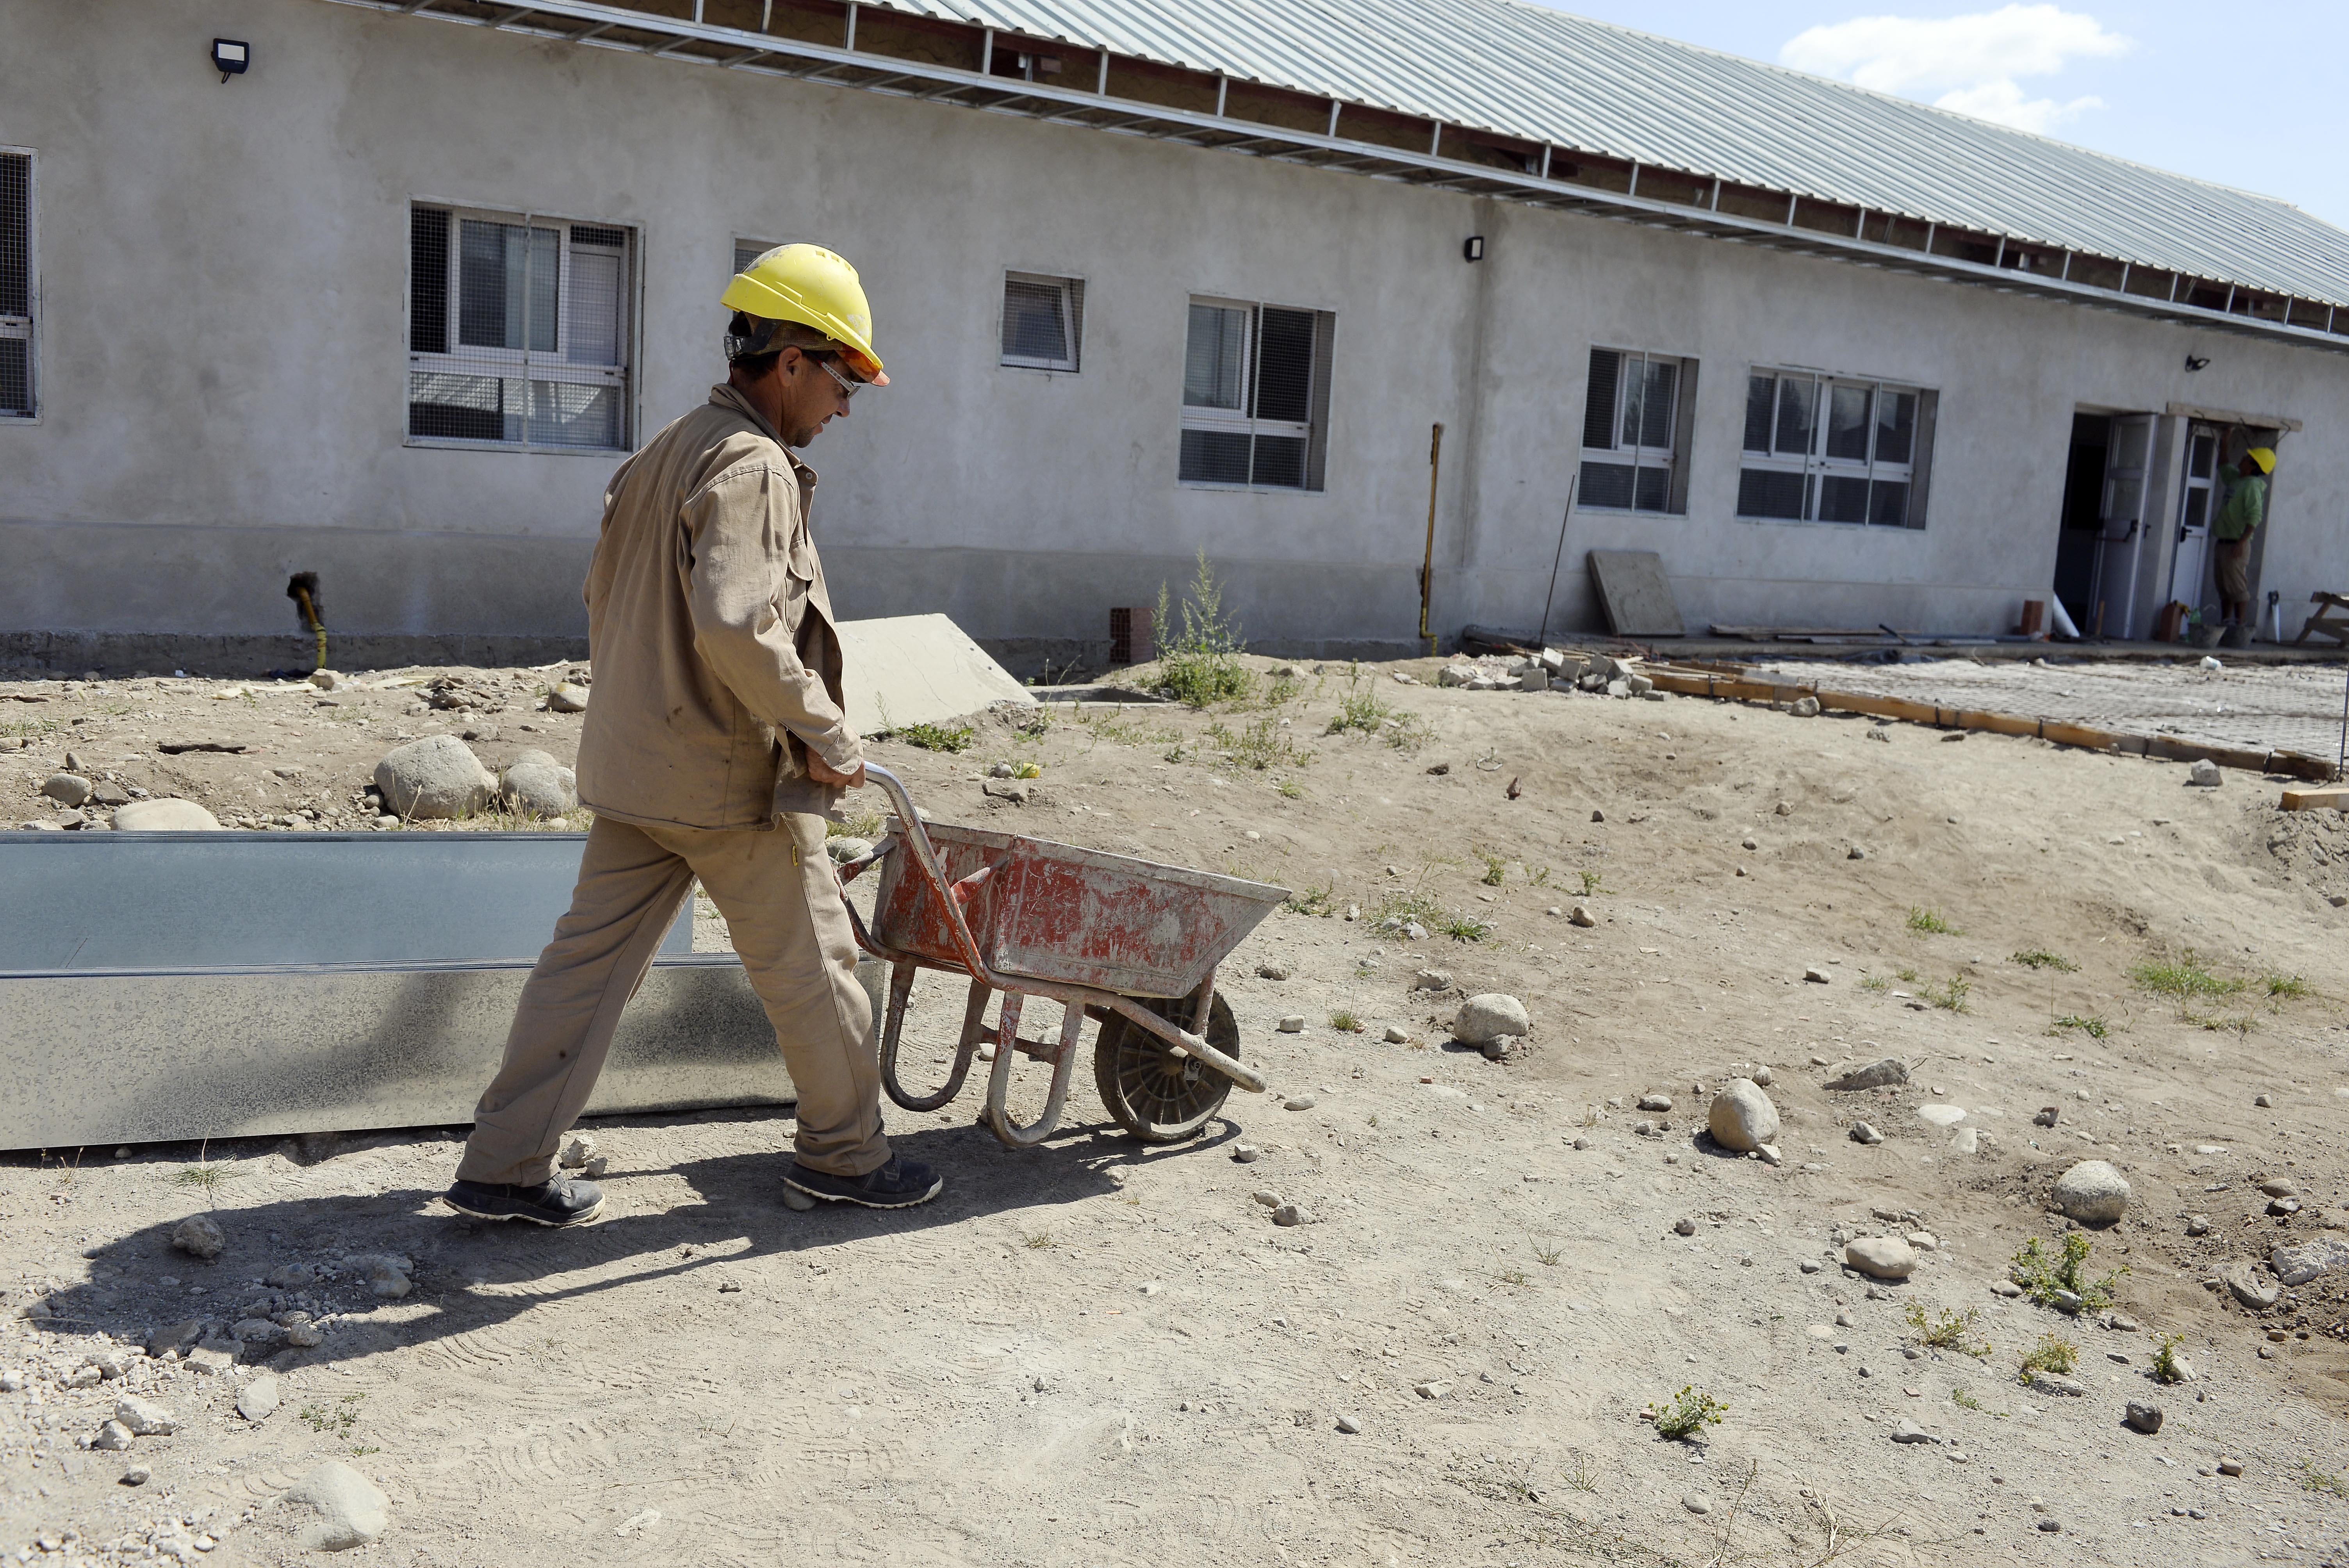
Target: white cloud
(1969,64)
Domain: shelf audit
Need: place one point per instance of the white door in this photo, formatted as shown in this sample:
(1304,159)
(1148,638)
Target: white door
(2187,568)
(2123,510)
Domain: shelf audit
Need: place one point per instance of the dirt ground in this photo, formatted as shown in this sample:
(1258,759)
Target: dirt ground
(1099,1352)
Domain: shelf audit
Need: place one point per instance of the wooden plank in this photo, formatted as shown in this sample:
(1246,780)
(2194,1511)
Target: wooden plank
(1635,593)
(2335,799)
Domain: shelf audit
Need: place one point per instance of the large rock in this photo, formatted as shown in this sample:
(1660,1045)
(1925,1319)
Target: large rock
(166,816)
(2093,1192)
(568,697)
(1881,1257)
(66,789)
(2248,1285)
(1493,1017)
(2297,1265)
(257,1398)
(345,1508)
(436,776)
(1742,1116)
(200,1235)
(541,789)
(144,1418)
(1875,1074)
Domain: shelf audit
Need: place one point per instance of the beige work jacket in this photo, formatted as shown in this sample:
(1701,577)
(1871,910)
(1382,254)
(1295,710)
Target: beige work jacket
(716,668)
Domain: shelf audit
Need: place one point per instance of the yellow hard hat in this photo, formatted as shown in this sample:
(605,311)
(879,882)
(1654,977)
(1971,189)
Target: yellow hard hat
(2264,457)
(809,284)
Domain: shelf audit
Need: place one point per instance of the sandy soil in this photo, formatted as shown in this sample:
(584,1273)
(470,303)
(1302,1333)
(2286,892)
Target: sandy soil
(1102,1354)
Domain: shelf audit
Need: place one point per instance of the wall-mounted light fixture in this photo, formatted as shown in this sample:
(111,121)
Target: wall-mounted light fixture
(230,57)
(1472,248)
(2195,362)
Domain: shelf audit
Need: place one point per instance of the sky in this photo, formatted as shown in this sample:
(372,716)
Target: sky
(2247,95)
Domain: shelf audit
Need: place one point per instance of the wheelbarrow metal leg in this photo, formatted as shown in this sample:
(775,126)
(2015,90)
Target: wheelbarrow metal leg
(901,991)
(999,1083)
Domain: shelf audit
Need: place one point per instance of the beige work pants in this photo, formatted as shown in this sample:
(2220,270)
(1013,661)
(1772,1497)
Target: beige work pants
(777,892)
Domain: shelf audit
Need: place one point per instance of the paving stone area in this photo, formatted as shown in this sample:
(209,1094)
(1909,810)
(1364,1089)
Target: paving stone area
(2280,708)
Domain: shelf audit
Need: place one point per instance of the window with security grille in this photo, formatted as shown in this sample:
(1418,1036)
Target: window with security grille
(519,329)
(1635,432)
(1834,448)
(1255,395)
(748,250)
(19,285)
(1043,321)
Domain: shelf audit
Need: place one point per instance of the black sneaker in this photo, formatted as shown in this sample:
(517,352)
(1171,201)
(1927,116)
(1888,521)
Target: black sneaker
(557,1202)
(900,1184)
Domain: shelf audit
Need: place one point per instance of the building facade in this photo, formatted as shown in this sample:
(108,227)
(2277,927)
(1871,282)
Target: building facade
(391,303)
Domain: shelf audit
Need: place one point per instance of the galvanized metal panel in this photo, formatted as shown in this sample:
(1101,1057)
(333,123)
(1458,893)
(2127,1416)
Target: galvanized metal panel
(1544,75)
(75,902)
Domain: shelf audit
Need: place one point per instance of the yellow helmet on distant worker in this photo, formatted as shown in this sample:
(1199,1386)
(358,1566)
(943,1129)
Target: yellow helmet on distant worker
(2264,457)
(809,284)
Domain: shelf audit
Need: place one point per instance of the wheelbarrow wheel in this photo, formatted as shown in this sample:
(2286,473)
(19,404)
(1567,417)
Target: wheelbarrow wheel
(1155,1095)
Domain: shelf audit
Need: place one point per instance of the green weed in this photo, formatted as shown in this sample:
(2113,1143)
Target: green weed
(2326,1481)
(1262,744)
(1513,1277)
(1907,977)
(1496,867)
(937,737)
(863,825)
(1930,922)
(1036,1240)
(1949,1331)
(1291,790)
(1463,927)
(2183,980)
(1346,1022)
(2041,1276)
(1547,1256)
(1201,665)
(207,1177)
(1582,1477)
(2284,988)
(1312,901)
(2165,1368)
(2053,1353)
(2040,958)
(1962,1399)
(337,1418)
(2088,1023)
(1874,983)
(1361,710)
(1951,997)
(1689,1413)
(1538,876)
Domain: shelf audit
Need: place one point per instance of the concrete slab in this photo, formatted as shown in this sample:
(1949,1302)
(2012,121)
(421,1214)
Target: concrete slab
(917,669)
(1635,593)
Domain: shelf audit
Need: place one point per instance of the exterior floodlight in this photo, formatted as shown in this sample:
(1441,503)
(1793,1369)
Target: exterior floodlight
(2197,361)
(230,57)
(1472,248)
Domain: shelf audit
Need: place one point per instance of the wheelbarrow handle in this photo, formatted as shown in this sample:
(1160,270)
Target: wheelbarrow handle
(916,838)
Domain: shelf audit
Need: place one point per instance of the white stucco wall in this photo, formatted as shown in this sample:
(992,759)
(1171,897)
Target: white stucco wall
(223,322)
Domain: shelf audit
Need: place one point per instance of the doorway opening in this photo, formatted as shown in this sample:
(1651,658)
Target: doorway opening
(2104,502)
(2078,547)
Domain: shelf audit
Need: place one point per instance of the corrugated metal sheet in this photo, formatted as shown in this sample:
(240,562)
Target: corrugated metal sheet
(1544,75)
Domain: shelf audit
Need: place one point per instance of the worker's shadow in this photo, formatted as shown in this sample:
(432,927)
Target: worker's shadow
(466,1273)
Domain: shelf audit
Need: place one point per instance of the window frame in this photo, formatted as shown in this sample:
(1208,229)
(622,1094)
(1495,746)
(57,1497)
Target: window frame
(1313,430)
(1816,466)
(1675,461)
(1072,316)
(27,327)
(527,365)
(748,250)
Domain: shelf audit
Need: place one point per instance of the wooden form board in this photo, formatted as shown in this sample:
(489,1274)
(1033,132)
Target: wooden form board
(1703,683)
(2316,799)
(1635,593)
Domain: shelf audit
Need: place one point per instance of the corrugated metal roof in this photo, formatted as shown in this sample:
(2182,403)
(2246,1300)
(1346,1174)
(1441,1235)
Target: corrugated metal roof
(1544,75)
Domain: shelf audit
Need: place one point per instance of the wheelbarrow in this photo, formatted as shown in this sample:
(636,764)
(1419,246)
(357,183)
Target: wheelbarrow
(1126,944)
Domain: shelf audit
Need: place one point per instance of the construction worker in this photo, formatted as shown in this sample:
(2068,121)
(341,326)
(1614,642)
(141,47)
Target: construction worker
(715,746)
(2245,509)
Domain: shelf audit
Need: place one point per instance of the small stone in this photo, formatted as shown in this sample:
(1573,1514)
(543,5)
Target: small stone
(2142,1417)
(345,1508)
(1432,980)
(1581,1143)
(254,1331)
(143,1417)
(1350,1425)
(112,1436)
(212,1357)
(2231,1466)
(1924,1241)
(1684,1227)
(1580,913)
(1266,1197)
(307,1335)
(169,815)
(326,680)
(1908,1431)
(1816,975)
(1875,1074)
(1655,1102)
(569,696)
(1761,1076)
(1865,1133)
(1293,1025)
(1742,1116)
(2048,1116)
(2057,1384)
(68,789)
(1697,1502)
(577,1153)
(136,1475)
(2249,1286)
(1292,1215)
(1435,1388)
(1856,852)
(173,1338)
(1805,707)
(1881,1257)
(1396,1035)
(1298,1102)
(797,1202)
(2093,1192)
(257,1398)
(200,1235)
(2005,1287)
(2296,1265)
(1268,971)
(1489,1018)
(2050,1526)
(1809,1266)
(1245,1153)
(2206,773)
